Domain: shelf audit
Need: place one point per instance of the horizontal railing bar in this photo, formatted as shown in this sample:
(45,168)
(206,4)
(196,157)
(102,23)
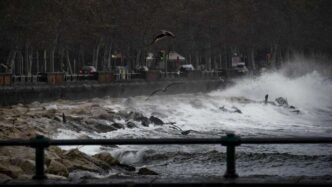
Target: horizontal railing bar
(300,140)
(160,141)
(14,142)
(137,141)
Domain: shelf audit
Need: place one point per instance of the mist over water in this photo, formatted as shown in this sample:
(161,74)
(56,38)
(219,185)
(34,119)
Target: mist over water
(213,114)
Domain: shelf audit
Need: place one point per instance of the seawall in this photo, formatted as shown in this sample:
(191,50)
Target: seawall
(10,95)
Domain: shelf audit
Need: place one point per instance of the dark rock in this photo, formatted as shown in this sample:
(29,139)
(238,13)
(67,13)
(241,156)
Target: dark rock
(156,120)
(134,116)
(145,121)
(118,125)
(10,170)
(146,171)
(28,166)
(236,110)
(100,128)
(57,168)
(4,177)
(185,132)
(107,158)
(76,160)
(282,101)
(109,117)
(131,125)
(127,167)
(296,111)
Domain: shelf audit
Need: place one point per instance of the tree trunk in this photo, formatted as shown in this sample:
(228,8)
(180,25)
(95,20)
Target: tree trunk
(30,55)
(21,63)
(138,57)
(197,61)
(220,61)
(109,60)
(105,58)
(26,60)
(45,61)
(37,61)
(94,61)
(10,62)
(52,59)
(97,55)
(190,59)
(62,63)
(252,59)
(74,66)
(9,57)
(68,62)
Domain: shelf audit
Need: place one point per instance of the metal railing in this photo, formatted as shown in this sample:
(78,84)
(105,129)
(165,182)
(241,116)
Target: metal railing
(40,143)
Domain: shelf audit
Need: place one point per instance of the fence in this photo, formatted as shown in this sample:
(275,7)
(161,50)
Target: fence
(40,143)
(150,75)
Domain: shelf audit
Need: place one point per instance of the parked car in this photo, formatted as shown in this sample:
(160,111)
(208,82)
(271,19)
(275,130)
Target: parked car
(88,73)
(186,68)
(88,70)
(240,68)
(42,77)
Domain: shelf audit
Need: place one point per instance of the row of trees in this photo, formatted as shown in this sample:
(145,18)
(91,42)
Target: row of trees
(56,35)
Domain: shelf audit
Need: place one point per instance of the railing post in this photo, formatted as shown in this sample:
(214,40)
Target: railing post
(39,143)
(231,141)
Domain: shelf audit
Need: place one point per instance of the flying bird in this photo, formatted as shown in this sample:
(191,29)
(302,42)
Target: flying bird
(161,90)
(163,34)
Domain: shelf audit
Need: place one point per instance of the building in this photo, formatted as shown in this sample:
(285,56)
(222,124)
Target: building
(173,60)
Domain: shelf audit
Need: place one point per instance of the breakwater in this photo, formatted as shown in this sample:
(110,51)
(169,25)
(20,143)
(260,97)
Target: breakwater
(15,94)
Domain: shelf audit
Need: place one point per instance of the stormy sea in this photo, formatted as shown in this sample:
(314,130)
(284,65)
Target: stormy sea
(305,111)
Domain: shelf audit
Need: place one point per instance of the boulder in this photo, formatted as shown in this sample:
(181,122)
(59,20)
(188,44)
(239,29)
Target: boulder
(25,177)
(109,116)
(146,171)
(118,126)
(134,116)
(4,177)
(107,158)
(156,120)
(144,121)
(126,167)
(10,170)
(76,160)
(99,126)
(236,110)
(27,166)
(57,168)
(281,101)
(131,125)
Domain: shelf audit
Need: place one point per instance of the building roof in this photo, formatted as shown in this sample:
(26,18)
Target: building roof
(174,56)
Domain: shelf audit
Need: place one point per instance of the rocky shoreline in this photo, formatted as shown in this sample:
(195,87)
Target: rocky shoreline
(26,121)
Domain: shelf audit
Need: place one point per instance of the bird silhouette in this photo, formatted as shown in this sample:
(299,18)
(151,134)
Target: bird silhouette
(163,34)
(161,90)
